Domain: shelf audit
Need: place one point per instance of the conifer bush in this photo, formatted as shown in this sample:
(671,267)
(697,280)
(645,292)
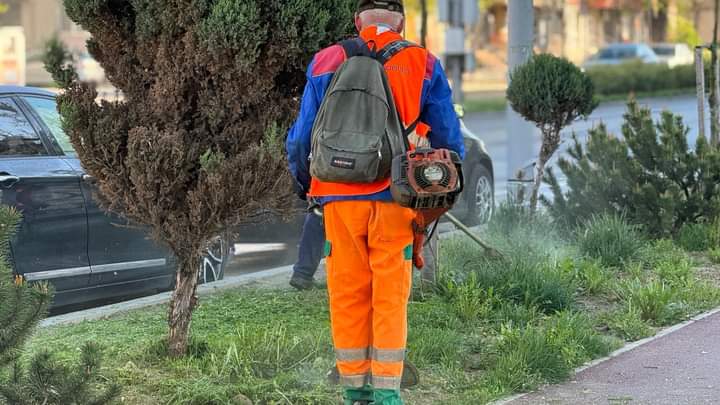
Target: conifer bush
(650,175)
(552,93)
(43,380)
(196,146)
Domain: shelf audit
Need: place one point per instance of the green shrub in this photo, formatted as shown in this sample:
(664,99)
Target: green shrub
(685,32)
(550,92)
(188,122)
(628,324)
(609,239)
(694,237)
(637,77)
(649,175)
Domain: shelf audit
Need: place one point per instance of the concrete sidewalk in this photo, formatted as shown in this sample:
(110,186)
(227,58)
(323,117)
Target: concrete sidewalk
(681,367)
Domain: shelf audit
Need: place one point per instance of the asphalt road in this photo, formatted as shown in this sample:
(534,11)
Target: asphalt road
(271,245)
(678,369)
(491,128)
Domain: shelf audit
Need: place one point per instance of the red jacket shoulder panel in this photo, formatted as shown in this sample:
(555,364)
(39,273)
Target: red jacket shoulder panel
(328,60)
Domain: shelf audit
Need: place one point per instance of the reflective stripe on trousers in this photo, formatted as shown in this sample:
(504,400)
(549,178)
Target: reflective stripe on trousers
(369,281)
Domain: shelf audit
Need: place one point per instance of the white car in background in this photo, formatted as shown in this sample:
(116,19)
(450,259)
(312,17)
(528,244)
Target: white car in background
(674,54)
(617,54)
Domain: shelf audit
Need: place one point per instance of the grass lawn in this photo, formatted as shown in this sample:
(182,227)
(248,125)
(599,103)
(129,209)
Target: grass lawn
(490,328)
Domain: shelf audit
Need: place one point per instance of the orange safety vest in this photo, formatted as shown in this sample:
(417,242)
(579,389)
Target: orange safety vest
(406,73)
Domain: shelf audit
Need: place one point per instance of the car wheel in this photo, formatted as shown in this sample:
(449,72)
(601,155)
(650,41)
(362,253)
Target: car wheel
(216,257)
(480,194)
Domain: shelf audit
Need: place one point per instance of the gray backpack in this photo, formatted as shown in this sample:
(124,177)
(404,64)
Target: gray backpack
(358,130)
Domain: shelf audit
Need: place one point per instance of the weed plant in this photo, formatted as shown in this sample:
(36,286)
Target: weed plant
(627,323)
(714,255)
(695,237)
(609,239)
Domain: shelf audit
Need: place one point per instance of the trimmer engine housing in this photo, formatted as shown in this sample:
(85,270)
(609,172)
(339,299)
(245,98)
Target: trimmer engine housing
(427,179)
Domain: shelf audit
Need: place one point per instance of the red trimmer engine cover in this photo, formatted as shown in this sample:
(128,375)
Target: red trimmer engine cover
(427,179)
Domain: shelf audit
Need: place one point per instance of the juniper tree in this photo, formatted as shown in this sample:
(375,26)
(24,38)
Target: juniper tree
(551,92)
(650,175)
(44,380)
(197,143)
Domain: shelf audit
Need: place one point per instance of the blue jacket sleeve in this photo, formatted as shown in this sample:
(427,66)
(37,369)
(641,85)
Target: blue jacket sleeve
(299,138)
(439,113)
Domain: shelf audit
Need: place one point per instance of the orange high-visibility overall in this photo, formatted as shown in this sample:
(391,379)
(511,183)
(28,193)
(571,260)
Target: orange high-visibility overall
(369,250)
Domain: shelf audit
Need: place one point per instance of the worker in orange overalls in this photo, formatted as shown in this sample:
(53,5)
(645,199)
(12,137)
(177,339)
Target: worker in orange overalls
(369,237)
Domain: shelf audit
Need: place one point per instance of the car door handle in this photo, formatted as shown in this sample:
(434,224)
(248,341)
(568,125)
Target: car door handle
(8,181)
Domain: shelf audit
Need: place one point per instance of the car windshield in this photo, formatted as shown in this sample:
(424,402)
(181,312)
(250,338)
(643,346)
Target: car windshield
(46,109)
(618,53)
(664,50)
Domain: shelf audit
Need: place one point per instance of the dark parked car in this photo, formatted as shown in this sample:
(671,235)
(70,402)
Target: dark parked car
(478,200)
(64,238)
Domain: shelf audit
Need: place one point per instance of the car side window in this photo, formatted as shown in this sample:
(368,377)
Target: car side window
(17,136)
(46,109)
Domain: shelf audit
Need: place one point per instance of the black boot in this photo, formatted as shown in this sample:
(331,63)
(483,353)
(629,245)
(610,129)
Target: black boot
(301,283)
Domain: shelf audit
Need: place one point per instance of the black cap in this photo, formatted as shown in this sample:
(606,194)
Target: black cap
(391,5)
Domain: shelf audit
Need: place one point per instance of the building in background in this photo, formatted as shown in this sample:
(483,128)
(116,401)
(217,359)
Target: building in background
(704,19)
(575,29)
(41,20)
(12,56)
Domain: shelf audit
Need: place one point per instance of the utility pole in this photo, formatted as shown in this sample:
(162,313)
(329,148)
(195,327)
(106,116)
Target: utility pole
(715,84)
(458,15)
(521,134)
(423,23)
(700,79)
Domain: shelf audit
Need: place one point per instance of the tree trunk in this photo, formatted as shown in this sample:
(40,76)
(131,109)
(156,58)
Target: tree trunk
(423,23)
(551,142)
(183,303)
(658,26)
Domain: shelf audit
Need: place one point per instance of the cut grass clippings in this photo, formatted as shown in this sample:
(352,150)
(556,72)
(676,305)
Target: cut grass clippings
(491,327)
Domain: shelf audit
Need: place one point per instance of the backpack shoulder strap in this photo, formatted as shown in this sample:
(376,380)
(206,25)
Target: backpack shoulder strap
(387,53)
(384,56)
(355,47)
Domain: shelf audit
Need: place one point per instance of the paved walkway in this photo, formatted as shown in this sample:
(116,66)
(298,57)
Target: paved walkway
(680,368)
